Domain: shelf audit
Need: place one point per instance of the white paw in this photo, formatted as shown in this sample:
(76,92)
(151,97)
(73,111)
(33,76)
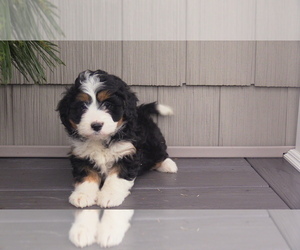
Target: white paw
(111,235)
(168,166)
(111,198)
(113,227)
(81,235)
(84,229)
(81,199)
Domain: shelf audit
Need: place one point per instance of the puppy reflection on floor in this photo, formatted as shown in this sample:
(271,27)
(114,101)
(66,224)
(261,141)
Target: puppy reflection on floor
(88,229)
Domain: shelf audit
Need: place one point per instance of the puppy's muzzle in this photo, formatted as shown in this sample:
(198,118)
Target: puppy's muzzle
(96,126)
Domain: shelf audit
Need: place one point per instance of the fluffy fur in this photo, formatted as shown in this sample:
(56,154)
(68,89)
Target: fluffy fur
(113,139)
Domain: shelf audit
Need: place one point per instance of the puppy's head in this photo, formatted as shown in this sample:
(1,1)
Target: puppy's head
(97,106)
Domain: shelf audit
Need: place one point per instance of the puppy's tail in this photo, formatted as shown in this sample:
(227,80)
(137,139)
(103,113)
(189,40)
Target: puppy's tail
(155,109)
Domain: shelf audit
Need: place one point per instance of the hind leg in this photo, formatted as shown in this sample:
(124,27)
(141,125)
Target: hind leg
(167,166)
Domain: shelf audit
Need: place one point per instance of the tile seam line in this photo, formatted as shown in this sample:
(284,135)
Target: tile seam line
(270,186)
(280,231)
(160,188)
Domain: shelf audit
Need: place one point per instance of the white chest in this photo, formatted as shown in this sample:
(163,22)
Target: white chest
(104,157)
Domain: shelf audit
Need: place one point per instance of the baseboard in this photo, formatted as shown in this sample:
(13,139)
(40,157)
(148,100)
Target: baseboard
(34,151)
(293,157)
(225,152)
(174,151)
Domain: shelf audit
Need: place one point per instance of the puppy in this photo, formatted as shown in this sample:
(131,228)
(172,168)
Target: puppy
(113,139)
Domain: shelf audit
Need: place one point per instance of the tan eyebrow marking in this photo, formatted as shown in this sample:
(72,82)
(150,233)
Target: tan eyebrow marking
(103,95)
(83,97)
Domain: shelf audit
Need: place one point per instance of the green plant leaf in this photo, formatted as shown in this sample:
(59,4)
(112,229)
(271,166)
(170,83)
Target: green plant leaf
(5,62)
(28,19)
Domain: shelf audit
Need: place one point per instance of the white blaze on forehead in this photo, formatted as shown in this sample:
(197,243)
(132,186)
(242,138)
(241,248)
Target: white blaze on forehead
(91,85)
(93,114)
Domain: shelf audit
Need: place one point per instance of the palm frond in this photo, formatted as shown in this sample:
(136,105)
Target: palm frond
(5,62)
(27,56)
(22,23)
(32,20)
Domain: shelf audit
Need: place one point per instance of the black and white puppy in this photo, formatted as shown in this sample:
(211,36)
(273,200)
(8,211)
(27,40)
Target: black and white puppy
(113,139)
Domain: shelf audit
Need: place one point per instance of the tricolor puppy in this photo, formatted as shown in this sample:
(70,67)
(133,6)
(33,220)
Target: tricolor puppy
(113,139)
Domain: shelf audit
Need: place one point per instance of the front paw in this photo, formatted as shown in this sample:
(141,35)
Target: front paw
(111,198)
(82,235)
(109,235)
(84,229)
(81,199)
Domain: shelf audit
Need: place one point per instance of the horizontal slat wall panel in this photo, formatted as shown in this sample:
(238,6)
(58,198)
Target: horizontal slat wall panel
(249,116)
(196,115)
(252,116)
(6,111)
(220,62)
(163,62)
(81,55)
(34,117)
(156,63)
(220,20)
(145,94)
(278,63)
(292,115)
(90,19)
(17,78)
(277,20)
(154,20)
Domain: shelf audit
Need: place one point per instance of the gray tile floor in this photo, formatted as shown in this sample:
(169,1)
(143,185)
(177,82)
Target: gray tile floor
(39,183)
(153,229)
(187,210)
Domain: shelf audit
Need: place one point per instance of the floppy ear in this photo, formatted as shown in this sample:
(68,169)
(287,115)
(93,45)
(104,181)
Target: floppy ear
(126,94)
(63,108)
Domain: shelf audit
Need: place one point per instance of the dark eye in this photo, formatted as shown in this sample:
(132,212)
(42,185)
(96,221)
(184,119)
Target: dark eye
(108,105)
(83,106)
(79,106)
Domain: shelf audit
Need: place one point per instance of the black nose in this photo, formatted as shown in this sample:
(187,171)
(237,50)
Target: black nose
(96,126)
